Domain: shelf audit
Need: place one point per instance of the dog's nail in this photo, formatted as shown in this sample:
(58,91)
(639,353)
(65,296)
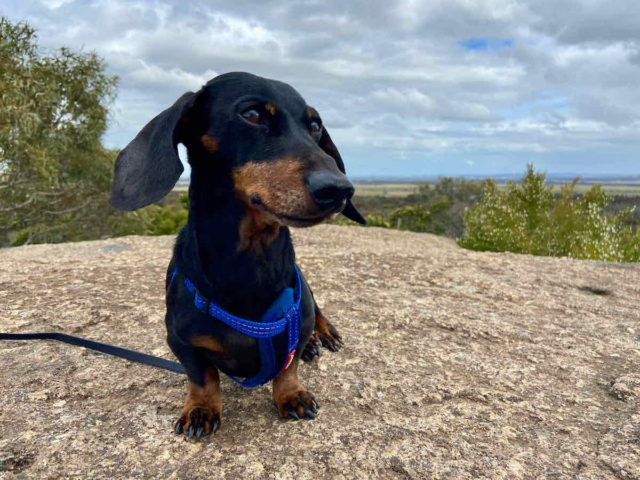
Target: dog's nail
(308,413)
(340,340)
(178,428)
(313,408)
(316,403)
(317,343)
(200,432)
(215,426)
(294,415)
(191,431)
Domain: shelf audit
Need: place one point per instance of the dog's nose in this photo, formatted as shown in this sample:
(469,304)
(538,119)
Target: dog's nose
(329,191)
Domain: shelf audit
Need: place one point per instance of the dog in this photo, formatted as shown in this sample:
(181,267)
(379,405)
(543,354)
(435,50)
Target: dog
(261,161)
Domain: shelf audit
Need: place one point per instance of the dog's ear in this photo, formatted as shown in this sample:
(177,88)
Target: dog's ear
(350,211)
(149,167)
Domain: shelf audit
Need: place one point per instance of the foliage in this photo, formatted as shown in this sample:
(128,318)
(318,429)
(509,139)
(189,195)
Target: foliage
(376,221)
(54,172)
(525,218)
(445,203)
(411,217)
(168,219)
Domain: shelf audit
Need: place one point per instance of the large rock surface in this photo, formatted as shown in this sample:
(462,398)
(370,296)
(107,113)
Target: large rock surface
(457,364)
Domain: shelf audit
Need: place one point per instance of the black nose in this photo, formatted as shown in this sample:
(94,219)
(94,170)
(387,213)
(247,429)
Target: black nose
(329,191)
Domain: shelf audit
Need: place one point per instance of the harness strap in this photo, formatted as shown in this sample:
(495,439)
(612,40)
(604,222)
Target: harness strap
(125,353)
(248,327)
(263,331)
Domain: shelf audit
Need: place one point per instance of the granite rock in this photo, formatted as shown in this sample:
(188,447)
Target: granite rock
(457,364)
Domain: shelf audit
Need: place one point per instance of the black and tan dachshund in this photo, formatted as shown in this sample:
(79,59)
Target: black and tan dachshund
(261,161)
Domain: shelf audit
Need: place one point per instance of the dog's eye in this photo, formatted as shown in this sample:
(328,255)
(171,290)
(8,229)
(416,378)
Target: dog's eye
(315,127)
(252,115)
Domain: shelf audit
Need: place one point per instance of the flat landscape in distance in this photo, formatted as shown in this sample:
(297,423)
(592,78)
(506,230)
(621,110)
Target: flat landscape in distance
(630,188)
(390,188)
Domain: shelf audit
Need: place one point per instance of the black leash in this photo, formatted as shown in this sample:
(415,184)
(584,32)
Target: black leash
(130,355)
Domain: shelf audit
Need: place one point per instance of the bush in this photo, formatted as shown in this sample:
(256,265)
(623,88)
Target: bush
(411,217)
(375,221)
(168,219)
(525,218)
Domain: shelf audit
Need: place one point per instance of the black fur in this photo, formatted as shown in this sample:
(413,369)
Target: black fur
(243,282)
(149,167)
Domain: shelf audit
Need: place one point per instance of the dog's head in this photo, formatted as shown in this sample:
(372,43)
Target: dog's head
(260,132)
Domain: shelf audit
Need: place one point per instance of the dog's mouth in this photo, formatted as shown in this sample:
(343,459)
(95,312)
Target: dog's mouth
(290,220)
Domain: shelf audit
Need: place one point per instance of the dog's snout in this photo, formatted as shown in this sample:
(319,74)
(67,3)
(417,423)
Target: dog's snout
(329,191)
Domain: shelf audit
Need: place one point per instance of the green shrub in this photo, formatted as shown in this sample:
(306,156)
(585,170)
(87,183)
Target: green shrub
(525,218)
(411,217)
(376,221)
(168,219)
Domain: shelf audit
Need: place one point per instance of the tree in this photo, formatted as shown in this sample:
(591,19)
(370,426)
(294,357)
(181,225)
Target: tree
(54,172)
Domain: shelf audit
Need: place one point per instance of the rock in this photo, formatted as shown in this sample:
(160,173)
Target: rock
(457,364)
(626,387)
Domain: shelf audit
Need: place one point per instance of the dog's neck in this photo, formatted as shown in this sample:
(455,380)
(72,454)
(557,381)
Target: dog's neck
(212,249)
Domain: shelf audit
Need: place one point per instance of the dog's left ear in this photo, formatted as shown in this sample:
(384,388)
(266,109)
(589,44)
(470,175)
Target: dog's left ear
(350,211)
(149,167)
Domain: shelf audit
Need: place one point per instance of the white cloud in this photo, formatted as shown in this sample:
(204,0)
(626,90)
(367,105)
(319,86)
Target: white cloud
(387,76)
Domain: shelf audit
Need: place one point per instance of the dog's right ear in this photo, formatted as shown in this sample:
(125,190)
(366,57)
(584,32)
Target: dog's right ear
(350,211)
(149,167)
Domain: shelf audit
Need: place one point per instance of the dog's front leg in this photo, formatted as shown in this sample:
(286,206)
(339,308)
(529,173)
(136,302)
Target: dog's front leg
(292,399)
(203,406)
(324,334)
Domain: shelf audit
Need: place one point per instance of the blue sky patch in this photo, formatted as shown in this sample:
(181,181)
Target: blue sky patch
(486,43)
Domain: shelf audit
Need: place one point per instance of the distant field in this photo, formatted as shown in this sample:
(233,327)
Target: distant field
(386,190)
(404,189)
(400,190)
(631,189)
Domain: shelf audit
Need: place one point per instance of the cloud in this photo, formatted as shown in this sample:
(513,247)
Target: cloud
(429,84)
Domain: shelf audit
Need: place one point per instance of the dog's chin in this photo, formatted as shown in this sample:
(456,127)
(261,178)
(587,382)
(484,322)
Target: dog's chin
(303,222)
(294,219)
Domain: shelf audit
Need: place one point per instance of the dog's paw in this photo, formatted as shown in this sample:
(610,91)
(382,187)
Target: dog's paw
(312,349)
(297,404)
(329,338)
(198,422)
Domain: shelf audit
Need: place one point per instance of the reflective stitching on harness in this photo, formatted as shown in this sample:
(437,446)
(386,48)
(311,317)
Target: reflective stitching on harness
(199,302)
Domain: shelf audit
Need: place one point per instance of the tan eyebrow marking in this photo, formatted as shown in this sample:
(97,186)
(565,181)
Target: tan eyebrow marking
(210,143)
(271,108)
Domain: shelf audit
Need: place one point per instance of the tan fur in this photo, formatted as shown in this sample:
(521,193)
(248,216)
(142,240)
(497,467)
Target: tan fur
(207,398)
(257,230)
(288,392)
(210,143)
(279,184)
(271,108)
(208,342)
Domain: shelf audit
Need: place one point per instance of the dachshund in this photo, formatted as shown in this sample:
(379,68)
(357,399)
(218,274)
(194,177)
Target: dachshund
(261,161)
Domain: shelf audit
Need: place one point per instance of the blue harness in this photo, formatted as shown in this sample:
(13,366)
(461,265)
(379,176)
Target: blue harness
(283,314)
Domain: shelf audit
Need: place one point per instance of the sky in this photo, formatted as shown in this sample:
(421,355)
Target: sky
(406,88)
